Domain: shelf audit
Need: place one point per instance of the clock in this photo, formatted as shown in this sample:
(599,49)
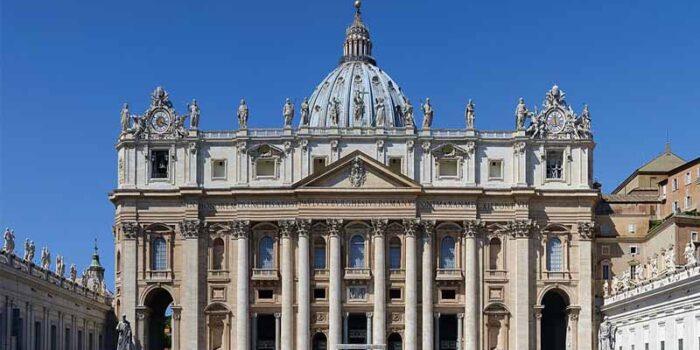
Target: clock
(555,121)
(160,121)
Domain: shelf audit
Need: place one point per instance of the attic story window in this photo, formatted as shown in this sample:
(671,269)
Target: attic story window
(319,164)
(495,169)
(265,168)
(448,167)
(159,164)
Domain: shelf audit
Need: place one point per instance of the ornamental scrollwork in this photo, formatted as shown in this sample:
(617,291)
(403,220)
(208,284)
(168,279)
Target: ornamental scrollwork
(586,229)
(286,228)
(410,226)
(358,174)
(518,228)
(190,228)
(556,120)
(241,228)
(159,121)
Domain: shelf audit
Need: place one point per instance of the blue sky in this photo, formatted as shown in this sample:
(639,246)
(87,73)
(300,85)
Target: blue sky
(67,66)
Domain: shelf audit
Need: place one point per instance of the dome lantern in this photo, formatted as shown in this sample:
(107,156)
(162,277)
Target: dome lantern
(357,46)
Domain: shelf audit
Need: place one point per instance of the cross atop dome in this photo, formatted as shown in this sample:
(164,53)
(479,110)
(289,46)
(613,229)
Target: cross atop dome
(357,46)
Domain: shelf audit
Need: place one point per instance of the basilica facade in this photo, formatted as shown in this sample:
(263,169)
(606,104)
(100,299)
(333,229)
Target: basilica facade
(354,224)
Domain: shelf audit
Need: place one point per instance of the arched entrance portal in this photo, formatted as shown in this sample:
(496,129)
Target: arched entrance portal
(158,320)
(319,342)
(554,320)
(395,342)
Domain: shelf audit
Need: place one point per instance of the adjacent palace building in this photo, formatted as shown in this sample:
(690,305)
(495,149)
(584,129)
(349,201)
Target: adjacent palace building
(353,224)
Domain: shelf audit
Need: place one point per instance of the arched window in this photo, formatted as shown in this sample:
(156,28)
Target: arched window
(495,254)
(357,251)
(319,254)
(554,255)
(160,261)
(217,254)
(447,253)
(395,253)
(265,253)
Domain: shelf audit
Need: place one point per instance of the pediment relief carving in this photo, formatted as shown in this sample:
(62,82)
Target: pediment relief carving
(450,151)
(265,150)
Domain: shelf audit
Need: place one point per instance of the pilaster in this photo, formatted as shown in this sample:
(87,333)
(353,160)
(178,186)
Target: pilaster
(427,279)
(304,285)
(379,330)
(192,296)
(411,304)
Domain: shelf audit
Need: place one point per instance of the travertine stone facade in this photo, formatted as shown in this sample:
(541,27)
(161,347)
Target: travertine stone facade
(355,226)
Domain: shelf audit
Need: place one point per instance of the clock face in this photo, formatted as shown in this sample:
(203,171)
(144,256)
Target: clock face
(160,121)
(555,121)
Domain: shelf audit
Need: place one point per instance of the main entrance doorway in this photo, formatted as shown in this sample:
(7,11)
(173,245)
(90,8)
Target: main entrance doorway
(554,321)
(265,338)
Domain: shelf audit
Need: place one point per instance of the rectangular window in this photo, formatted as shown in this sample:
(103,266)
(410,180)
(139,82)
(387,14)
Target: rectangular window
(495,169)
(448,168)
(695,237)
(160,164)
(674,184)
(605,229)
(265,294)
(91,341)
(80,340)
(663,191)
(448,294)
(320,257)
(395,293)
(633,270)
(395,164)
(680,344)
(265,168)
(218,169)
(555,159)
(633,250)
(632,228)
(66,336)
(605,250)
(37,335)
(688,202)
(319,293)
(688,178)
(54,338)
(319,163)
(676,207)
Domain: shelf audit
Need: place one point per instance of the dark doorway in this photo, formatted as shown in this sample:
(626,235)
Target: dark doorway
(357,329)
(320,342)
(265,332)
(448,332)
(395,342)
(553,336)
(158,302)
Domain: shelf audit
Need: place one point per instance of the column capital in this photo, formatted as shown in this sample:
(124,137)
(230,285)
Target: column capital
(460,315)
(586,230)
(241,228)
(190,229)
(129,229)
(410,226)
(278,315)
(286,228)
(368,314)
(379,227)
(473,227)
(538,311)
(303,227)
(428,228)
(436,314)
(334,226)
(518,228)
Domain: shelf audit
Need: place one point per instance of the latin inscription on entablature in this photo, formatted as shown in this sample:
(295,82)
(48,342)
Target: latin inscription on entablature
(445,204)
(354,203)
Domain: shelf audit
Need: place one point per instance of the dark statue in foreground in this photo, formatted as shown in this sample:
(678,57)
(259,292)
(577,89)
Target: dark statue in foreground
(124,341)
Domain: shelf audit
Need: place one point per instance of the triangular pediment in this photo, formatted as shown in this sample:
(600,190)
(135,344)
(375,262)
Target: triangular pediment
(357,171)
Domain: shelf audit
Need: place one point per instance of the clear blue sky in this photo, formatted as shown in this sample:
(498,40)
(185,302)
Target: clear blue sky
(67,66)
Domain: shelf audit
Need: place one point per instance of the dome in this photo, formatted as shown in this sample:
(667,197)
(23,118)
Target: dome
(358,93)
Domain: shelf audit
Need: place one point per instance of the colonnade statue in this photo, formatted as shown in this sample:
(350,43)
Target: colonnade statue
(124,342)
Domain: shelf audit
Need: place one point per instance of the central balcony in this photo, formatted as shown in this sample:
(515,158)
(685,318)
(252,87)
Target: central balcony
(159,275)
(357,273)
(448,274)
(263,274)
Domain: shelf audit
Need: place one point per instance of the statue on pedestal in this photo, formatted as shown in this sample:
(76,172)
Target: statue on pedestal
(334,111)
(470,114)
(194,114)
(689,254)
(125,338)
(29,249)
(45,258)
(125,118)
(9,237)
(73,272)
(305,112)
(653,266)
(670,261)
(606,289)
(606,335)
(288,113)
(243,115)
(60,266)
(521,114)
(427,114)
(409,122)
(358,107)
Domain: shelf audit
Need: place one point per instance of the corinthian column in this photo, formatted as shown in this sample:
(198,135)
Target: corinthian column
(242,230)
(303,287)
(427,286)
(192,297)
(520,231)
(286,229)
(471,286)
(335,318)
(411,326)
(379,329)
